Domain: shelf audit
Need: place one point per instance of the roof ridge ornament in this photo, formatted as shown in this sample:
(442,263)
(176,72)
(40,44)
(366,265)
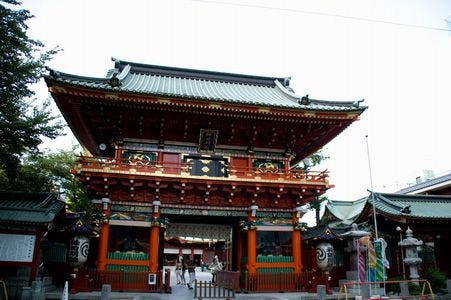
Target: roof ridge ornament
(114,81)
(286,81)
(286,89)
(52,73)
(406,209)
(357,103)
(305,100)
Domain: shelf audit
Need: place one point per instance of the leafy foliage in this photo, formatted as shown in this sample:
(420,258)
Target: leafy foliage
(22,123)
(52,172)
(318,157)
(306,165)
(316,204)
(414,289)
(313,160)
(436,278)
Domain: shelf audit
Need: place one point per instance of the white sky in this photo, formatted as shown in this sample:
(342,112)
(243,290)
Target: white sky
(402,72)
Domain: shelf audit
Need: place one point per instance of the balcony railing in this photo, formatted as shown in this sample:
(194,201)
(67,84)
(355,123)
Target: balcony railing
(115,165)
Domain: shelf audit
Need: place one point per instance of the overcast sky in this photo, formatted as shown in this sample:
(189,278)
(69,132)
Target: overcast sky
(394,54)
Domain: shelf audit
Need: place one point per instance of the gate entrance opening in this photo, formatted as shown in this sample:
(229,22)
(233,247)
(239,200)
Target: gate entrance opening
(199,242)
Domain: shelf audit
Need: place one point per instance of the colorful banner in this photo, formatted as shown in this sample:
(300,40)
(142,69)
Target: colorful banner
(385,261)
(361,262)
(380,272)
(373,267)
(371,258)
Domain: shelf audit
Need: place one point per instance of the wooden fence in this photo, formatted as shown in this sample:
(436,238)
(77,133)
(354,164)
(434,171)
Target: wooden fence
(209,290)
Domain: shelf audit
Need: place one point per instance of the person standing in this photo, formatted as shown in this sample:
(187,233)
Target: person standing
(191,273)
(183,271)
(215,266)
(178,271)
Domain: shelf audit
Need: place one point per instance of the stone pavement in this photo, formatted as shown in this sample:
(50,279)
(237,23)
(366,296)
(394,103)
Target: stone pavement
(182,293)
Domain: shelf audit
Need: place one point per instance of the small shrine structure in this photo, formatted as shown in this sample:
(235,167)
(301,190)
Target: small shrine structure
(25,220)
(429,216)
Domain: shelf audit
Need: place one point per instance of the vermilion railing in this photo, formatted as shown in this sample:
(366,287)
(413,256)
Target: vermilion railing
(92,280)
(280,281)
(229,279)
(273,173)
(153,167)
(129,164)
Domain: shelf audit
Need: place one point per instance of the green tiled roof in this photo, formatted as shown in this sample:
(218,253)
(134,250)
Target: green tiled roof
(346,211)
(413,206)
(220,87)
(430,207)
(30,208)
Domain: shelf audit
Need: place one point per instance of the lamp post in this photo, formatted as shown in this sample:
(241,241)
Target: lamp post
(399,229)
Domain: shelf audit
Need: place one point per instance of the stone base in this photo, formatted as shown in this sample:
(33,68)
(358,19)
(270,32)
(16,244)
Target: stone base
(352,275)
(15,286)
(361,290)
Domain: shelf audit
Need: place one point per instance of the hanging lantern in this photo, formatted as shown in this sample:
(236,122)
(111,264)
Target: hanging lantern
(325,256)
(78,250)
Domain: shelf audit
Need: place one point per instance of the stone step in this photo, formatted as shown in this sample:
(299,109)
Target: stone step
(48,288)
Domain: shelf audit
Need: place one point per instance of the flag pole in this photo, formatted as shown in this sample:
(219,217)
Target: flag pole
(372,191)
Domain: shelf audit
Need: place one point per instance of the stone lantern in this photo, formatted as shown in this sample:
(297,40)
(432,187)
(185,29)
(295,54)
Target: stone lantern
(411,253)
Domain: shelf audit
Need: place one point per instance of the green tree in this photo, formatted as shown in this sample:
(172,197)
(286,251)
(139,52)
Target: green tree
(52,172)
(316,205)
(22,122)
(306,165)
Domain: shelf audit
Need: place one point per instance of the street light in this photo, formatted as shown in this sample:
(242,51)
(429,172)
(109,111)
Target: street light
(399,229)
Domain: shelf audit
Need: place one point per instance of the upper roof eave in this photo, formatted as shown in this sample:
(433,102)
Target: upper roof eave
(259,91)
(334,106)
(59,76)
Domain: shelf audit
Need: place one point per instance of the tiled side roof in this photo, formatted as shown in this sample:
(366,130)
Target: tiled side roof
(430,207)
(164,81)
(30,208)
(413,206)
(346,211)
